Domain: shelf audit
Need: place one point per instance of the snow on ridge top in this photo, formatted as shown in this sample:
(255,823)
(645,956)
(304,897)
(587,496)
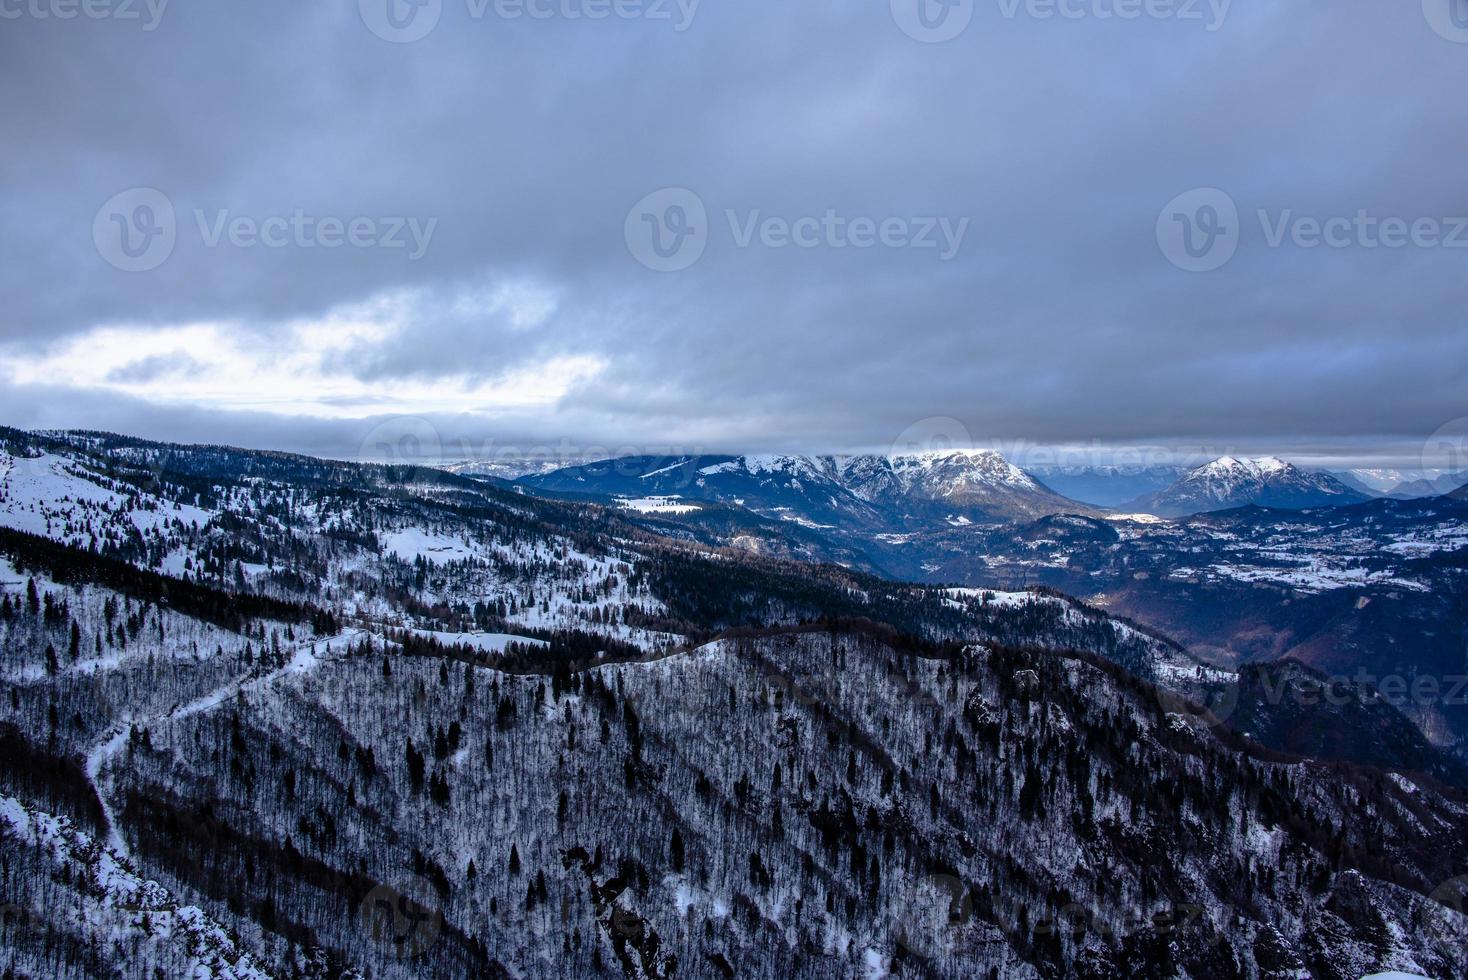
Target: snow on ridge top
(775,462)
(935,456)
(940,473)
(1253,465)
(1236,470)
(969,466)
(756,464)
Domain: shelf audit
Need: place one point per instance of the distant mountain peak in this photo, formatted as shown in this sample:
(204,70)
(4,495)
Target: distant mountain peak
(959,468)
(1234,481)
(1252,465)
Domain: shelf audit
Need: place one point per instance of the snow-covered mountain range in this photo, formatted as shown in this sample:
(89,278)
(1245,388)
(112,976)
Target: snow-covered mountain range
(1402,484)
(895,494)
(862,490)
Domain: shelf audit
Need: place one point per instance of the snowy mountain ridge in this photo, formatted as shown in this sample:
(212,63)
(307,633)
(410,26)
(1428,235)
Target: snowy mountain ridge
(1229,481)
(866,490)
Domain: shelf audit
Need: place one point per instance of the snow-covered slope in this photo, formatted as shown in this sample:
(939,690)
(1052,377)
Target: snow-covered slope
(62,497)
(934,812)
(83,896)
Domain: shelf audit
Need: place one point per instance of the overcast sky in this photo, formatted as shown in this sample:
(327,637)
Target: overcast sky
(310,225)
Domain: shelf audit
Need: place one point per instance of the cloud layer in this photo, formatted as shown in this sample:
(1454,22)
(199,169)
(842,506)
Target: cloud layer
(364,226)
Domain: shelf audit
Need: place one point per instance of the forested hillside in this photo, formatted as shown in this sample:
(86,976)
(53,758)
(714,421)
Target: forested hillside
(272,717)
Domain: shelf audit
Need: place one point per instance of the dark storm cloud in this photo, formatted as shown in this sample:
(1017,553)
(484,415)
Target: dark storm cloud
(475,184)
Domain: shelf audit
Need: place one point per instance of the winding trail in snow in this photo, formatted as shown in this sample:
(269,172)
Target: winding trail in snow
(304,658)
